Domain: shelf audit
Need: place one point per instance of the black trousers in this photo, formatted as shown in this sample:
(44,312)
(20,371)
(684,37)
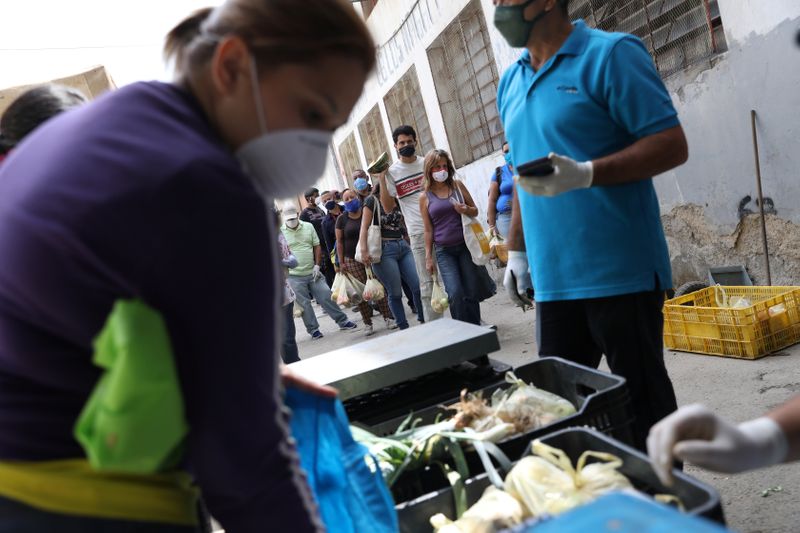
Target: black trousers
(628,330)
(327,268)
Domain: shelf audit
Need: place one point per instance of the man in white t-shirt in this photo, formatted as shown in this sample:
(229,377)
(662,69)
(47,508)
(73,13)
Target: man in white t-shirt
(403,182)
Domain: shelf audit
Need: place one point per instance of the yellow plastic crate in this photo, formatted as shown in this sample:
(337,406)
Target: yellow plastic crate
(696,323)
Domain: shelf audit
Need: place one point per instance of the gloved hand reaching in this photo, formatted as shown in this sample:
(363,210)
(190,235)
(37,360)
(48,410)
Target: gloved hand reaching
(567,175)
(517,279)
(695,434)
(316,274)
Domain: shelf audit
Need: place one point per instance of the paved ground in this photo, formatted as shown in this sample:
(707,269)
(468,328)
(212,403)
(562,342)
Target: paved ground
(737,389)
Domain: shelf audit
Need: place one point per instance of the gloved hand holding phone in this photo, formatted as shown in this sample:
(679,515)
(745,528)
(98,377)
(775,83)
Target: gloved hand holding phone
(554,174)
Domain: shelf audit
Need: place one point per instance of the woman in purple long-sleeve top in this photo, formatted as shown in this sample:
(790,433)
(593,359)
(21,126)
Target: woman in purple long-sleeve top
(157,192)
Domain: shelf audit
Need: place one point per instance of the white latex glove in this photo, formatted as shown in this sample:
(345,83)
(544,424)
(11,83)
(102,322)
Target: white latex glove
(316,274)
(518,265)
(697,435)
(568,175)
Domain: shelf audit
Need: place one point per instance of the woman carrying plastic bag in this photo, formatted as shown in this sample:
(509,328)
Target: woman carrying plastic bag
(451,234)
(348,232)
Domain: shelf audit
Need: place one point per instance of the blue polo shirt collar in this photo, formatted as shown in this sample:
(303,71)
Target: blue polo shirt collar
(573,46)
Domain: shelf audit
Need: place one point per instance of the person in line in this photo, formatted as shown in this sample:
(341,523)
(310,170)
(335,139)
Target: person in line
(696,434)
(348,231)
(396,263)
(442,205)
(409,294)
(361,185)
(324,196)
(401,185)
(314,215)
(306,278)
(501,192)
(332,212)
(289,352)
(159,192)
(33,108)
(592,228)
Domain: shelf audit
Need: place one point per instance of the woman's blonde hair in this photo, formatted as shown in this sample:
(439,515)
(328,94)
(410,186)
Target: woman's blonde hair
(276,31)
(431,159)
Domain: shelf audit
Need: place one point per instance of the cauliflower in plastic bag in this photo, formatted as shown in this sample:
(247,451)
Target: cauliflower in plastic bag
(528,407)
(373,290)
(351,292)
(548,483)
(496,510)
(498,248)
(439,299)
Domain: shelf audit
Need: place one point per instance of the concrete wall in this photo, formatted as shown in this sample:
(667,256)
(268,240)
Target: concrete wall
(703,202)
(709,194)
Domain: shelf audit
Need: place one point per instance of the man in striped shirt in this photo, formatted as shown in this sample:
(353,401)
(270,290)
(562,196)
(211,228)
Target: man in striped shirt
(403,182)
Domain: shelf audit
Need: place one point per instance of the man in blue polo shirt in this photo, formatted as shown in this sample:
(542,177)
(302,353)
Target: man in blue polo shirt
(594,104)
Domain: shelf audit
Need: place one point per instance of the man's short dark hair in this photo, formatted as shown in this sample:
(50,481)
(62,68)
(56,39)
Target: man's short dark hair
(403,130)
(311,192)
(564,6)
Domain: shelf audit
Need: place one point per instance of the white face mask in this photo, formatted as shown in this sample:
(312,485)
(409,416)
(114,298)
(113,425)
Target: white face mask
(282,163)
(292,223)
(441,175)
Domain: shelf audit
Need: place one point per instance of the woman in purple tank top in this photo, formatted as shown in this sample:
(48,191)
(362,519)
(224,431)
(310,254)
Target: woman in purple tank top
(441,206)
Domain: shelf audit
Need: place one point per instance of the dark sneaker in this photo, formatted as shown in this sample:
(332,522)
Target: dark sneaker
(317,335)
(348,325)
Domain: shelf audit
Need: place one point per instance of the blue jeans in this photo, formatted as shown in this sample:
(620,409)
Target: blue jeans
(305,288)
(461,280)
(289,350)
(397,264)
(502,223)
(16,517)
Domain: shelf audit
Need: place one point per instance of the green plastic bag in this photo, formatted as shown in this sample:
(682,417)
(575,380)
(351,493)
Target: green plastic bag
(134,419)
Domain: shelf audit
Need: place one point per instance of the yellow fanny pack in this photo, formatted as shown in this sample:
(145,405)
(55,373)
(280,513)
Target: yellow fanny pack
(72,486)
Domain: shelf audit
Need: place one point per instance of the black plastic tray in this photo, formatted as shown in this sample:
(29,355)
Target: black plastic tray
(698,498)
(601,400)
(432,389)
(591,391)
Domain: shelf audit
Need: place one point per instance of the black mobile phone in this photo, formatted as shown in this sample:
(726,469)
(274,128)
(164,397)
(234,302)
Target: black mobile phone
(538,167)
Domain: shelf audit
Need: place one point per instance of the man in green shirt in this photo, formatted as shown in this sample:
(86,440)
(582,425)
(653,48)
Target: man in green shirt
(306,278)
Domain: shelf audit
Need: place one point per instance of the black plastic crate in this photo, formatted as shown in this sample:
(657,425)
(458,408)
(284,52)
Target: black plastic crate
(698,498)
(601,400)
(392,402)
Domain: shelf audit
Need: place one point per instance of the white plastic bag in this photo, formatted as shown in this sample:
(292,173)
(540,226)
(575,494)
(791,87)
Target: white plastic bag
(548,483)
(373,290)
(474,235)
(337,289)
(353,290)
(439,299)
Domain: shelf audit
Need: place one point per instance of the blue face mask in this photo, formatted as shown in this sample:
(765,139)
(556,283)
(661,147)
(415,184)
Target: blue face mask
(353,205)
(507,157)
